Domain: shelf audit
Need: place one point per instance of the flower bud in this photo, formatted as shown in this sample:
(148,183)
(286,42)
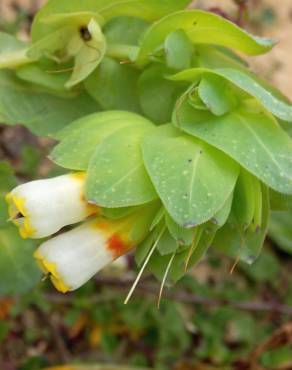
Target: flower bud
(41,208)
(72,258)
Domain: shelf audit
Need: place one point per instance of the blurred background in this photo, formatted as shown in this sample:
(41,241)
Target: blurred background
(211,320)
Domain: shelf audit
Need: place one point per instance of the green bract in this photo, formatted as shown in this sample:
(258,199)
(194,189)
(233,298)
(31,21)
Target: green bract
(201,28)
(164,112)
(182,169)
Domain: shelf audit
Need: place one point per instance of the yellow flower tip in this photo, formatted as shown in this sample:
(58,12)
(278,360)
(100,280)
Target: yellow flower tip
(59,284)
(39,260)
(49,268)
(26,231)
(79,176)
(12,209)
(17,207)
(19,204)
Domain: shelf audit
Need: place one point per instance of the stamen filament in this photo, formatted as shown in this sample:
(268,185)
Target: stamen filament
(164,279)
(143,268)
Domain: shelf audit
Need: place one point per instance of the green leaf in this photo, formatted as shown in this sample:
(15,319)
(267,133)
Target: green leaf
(37,109)
(157,94)
(7,182)
(244,199)
(116,173)
(240,243)
(271,99)
(92,119)
(201,28)
(158,219)
(52,44)
(280,202)
(182,235)
(193,179)
(280,230)
(18,270)
(125,30)
(147,9)
(141,221)
(89,55)
(214,57)
(9,43)
(12,51)
(36,74)
(217,94)
(194,98)
(116,213)
(158,264)
(67,42)
(265,269)
(249,136)
(144,248)
(78,146)
(220,218)
(114,86)
(167,244)
(178,50)
(150,10)
(207,233)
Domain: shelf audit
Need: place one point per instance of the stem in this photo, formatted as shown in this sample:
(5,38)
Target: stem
(14,59)
(122,52)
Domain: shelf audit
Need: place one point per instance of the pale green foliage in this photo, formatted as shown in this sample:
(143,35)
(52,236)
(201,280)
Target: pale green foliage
(163,111)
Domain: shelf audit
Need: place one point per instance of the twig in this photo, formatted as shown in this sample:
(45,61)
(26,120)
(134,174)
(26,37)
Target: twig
(181,296)
(60,344)
(281,336)
(242,11)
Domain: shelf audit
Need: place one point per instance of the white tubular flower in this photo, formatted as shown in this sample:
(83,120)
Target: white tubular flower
(41,208)
(72,258)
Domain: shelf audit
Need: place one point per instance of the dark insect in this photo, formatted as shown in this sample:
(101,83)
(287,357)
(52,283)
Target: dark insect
(85,34)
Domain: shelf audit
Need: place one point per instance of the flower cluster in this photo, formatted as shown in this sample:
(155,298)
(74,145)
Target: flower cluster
(182,145)
(42,208)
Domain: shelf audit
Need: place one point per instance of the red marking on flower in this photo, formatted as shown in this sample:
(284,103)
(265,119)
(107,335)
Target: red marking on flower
(117,246)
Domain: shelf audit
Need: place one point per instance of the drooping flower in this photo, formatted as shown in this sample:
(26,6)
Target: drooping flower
(74,257)
(41,208)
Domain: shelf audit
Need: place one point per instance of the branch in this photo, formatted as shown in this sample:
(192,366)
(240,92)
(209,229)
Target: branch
(181,296)
(280,337)
(59,341)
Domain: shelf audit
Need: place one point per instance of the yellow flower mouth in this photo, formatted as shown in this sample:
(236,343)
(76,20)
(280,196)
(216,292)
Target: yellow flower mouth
(49,268)
(19,216)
